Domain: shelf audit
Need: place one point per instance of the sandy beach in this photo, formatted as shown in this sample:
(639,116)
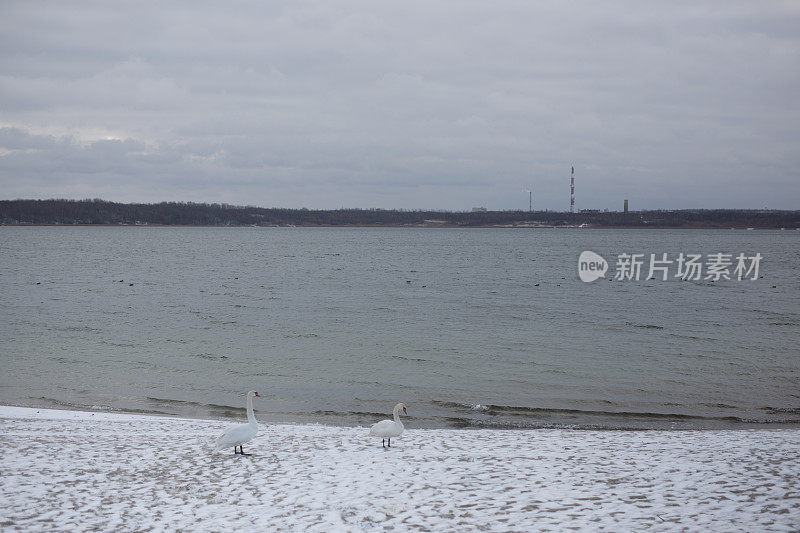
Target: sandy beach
(69,470)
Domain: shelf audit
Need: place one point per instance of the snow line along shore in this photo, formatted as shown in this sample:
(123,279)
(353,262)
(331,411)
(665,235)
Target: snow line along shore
(70,470)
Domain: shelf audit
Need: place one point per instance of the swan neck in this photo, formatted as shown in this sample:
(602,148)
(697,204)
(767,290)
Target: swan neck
(397,416)
(250,416)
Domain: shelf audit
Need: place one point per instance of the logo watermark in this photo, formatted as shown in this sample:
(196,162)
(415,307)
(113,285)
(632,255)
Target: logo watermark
(688,267)
(591,266)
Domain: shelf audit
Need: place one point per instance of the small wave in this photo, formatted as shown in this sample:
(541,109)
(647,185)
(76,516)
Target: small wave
(184,406)
(717,405)
(347,414)
(782,410)
(170,401)
(209,356)
(464,423)
(81,329)
(73,406)
(645,326)
(539,413)
(693,337)
(416,359)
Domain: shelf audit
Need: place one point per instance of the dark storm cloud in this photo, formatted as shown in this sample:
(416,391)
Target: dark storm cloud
(416,104)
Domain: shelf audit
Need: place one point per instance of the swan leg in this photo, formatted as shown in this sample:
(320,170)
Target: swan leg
(390,442)
(383,443)
(242,450)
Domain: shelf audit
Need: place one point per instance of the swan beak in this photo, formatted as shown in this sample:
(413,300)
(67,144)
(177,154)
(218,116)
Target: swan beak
(258,395)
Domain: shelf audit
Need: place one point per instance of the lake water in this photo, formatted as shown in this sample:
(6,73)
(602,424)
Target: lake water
(468,327)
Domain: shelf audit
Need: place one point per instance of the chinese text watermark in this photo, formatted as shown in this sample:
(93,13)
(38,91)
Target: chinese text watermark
(684,266)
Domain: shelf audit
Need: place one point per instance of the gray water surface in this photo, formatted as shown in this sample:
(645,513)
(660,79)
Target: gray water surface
(468,327)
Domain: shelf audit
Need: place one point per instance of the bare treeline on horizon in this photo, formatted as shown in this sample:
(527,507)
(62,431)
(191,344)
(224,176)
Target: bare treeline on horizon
(101,212)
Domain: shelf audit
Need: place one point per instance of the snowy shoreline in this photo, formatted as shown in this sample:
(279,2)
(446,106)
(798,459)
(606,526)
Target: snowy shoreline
(74,470)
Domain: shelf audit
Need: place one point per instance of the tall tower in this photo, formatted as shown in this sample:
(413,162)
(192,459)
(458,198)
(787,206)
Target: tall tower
(572,192)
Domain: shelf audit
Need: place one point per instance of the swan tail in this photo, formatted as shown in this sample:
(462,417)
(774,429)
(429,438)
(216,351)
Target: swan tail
(211,445)
(219,443)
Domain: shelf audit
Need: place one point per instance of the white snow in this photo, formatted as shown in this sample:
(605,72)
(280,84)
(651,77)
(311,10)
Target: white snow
(67,470)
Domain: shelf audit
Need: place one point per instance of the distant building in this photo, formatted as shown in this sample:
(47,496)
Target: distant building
(625,206)
(478,209)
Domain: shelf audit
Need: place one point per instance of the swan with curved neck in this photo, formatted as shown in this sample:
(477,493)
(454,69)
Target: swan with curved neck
(238,435)
(386,429)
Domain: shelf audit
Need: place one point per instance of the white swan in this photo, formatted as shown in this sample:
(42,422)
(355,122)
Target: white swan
(238,435)
(386,429)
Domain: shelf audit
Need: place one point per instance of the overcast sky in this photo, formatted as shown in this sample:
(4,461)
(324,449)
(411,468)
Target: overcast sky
(412,104)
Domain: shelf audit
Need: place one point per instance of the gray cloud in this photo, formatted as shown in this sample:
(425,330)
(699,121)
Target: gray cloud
(416,105)
(20,139)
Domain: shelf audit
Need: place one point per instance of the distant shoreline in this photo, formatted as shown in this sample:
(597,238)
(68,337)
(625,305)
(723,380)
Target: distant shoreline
(409,226)
(104,213)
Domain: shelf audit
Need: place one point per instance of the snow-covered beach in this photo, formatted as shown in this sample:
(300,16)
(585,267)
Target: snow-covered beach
(69,470)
